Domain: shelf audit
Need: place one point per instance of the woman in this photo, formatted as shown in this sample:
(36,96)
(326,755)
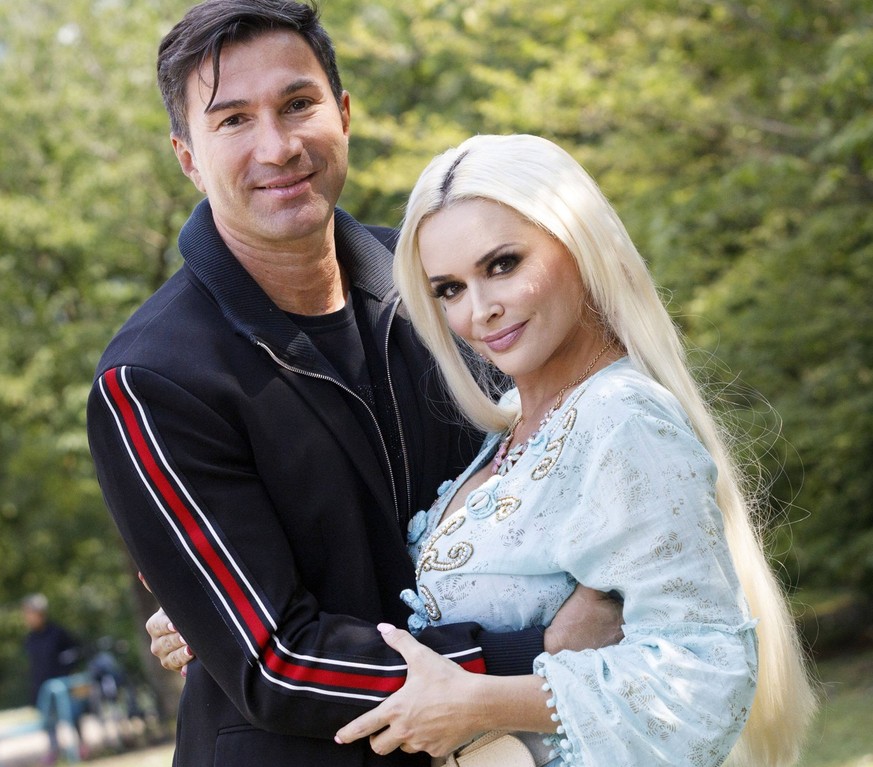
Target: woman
(604,467)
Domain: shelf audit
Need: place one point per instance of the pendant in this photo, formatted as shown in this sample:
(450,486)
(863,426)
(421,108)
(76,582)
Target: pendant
(508,460)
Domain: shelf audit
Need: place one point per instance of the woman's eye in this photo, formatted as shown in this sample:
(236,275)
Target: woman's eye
(503,264)
(447,291)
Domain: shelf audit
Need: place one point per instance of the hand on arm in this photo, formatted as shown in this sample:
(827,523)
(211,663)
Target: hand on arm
(441,706)
(588,619)
(174,473)
(167,644)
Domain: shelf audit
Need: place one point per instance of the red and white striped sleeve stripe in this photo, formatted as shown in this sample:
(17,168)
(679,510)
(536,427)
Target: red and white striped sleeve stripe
(245,608)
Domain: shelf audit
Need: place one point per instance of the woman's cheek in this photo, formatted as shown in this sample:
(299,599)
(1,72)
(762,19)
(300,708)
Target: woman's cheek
(458,321)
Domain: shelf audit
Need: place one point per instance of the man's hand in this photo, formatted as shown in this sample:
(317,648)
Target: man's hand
(167,644)
(589,619)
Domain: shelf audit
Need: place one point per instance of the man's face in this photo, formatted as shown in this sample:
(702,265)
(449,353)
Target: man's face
(33,619)
(271,152)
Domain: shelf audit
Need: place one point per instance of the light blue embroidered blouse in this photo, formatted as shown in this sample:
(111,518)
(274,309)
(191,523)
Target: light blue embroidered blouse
(616,492)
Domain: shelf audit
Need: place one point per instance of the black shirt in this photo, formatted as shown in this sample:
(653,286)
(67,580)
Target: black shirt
(344,338)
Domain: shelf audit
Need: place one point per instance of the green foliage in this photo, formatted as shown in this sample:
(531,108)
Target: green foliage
(735,138)
(90,203)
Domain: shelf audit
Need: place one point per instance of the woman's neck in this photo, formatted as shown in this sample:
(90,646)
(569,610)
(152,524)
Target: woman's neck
(541,395)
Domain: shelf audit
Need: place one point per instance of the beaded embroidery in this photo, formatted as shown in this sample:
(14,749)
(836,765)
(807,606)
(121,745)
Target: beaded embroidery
(505,458)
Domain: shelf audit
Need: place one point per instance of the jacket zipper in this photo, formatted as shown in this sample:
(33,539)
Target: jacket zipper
(279,361)
(403,451)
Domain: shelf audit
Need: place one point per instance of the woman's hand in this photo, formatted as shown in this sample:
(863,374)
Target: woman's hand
(435,710)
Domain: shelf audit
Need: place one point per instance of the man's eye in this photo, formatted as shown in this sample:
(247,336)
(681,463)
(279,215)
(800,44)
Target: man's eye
(299,104)
(230,122)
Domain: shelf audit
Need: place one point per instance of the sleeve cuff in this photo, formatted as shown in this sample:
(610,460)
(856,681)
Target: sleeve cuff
(511,653)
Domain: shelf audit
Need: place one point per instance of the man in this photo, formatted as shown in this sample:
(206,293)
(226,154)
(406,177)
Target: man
(52,652)
(264,426)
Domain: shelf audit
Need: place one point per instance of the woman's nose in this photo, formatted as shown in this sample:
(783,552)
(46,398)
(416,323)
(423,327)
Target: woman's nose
(485,307)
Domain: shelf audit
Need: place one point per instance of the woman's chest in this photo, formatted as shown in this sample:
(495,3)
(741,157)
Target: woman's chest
(489,559)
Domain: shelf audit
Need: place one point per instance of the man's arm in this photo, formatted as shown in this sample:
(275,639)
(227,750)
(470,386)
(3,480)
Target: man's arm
(204,531)
(441,707)
(589,619)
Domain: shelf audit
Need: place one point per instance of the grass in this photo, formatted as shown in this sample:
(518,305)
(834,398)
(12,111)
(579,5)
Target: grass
(842,735)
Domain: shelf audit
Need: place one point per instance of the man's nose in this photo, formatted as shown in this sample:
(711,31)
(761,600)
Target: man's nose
(277,143)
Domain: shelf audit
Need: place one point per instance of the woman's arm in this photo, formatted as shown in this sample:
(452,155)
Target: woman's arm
(588,619)
(441,706)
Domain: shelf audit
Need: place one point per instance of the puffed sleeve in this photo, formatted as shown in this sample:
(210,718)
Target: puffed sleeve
(644,523)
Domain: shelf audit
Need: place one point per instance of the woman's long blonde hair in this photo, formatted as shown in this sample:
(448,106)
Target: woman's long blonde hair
(543,183)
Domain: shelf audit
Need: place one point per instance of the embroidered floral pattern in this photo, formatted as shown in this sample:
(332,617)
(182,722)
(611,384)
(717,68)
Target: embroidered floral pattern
(637,693)
(554,447)
(660,728)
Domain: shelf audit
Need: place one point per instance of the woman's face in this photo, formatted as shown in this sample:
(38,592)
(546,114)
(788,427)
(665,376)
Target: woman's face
(509,289)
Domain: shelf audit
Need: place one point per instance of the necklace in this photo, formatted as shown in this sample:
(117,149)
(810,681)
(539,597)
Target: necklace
(505,458)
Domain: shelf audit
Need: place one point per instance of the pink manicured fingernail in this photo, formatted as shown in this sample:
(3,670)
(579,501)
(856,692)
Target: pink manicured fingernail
(184,671)
(189,652)
(336,739)
(171,627)
(385,628)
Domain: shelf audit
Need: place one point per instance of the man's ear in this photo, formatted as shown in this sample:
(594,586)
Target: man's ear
(346,112)
(187,161)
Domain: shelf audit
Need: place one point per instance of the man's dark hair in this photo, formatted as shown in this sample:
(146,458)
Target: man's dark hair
(212,24)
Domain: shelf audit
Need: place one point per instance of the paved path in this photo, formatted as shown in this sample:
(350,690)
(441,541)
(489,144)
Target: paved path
(31,749)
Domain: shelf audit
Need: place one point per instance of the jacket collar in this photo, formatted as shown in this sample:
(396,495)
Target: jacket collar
(248,308)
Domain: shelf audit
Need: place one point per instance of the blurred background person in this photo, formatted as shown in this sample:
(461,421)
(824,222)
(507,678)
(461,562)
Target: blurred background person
(52,652)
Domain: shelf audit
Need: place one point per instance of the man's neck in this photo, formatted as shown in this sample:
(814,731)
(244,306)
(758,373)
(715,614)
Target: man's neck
(303,277)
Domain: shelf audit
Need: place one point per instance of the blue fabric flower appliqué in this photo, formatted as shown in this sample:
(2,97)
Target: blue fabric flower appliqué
(418,621)
(538,443)
(445,487)
(416,527)
(481,503)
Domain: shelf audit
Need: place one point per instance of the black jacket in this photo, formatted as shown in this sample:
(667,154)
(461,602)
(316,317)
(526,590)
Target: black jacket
(51,652)
(243,478)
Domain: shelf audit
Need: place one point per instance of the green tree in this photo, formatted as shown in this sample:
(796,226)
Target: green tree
(90,203)
(735,138)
